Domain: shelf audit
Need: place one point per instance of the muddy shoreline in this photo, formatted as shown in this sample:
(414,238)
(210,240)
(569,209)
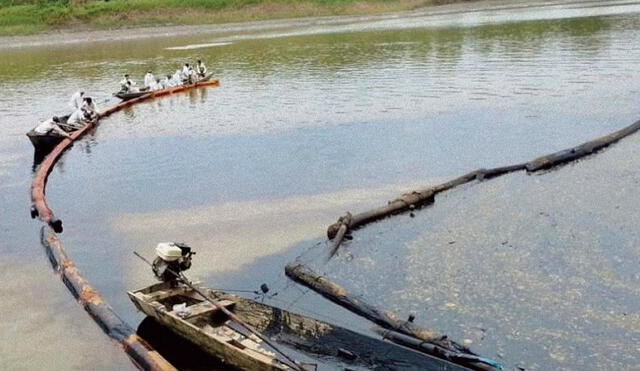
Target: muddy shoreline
(85,34)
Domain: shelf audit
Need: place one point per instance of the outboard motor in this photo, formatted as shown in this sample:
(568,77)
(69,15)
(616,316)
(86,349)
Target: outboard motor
(173,258)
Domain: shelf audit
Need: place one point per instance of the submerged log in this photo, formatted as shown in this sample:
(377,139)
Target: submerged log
(403,203)
(304,275)
(572,154)
(345,223)
(426,196)
(428,348)
(409,201)
(443,347)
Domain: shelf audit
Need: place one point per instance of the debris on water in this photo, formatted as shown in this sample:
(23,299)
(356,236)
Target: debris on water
(412,316)
(346,354)
(181,310)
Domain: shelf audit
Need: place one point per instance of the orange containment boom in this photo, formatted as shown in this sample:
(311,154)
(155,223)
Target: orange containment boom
(40,208)
(141,353)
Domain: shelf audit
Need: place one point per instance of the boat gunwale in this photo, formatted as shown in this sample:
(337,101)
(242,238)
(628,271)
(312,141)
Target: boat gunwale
(257,356)
(294,324)
(205,81)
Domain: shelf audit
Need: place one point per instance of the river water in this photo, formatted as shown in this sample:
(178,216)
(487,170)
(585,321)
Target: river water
(312,118)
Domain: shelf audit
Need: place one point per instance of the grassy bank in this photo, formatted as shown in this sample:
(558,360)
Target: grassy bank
(35,16)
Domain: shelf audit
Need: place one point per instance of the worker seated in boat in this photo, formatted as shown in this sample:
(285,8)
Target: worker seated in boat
(201,69)
(51,126)
(77,120)
(176,79)
(166,82)
(155,85)
(149,79)
(185,72)
(89,105)
(193,76)
(188,74)
(76,100)
(126,85)
(129,88)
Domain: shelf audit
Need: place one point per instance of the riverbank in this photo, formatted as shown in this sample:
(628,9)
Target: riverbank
(28,17)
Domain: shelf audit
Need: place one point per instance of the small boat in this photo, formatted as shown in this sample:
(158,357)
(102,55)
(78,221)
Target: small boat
(315,345)
(126,96)
(46,142)
(206,80)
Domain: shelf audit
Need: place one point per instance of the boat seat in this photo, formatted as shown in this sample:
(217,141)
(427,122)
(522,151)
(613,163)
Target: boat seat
(204,308)
(164,294)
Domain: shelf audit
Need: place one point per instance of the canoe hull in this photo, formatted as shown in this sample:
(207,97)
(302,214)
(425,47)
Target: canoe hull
(332,346)
(205,81)
(215,346)
(127,96)
(42,142)
(45,143)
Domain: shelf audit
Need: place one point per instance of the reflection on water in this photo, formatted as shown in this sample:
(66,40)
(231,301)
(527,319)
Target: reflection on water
(43,328)
(304,128)
(229,236)
(197,46)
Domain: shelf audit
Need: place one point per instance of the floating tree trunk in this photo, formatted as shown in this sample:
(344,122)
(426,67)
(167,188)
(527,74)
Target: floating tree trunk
(424,197)
(572,154)
(443,347)
(428,348)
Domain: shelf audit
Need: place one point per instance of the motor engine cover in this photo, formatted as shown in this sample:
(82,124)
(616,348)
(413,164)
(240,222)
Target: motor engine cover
(168,251)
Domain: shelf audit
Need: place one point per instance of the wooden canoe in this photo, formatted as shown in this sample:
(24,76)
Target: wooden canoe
(43,141)
(205,81)
(46,142)
(313,343)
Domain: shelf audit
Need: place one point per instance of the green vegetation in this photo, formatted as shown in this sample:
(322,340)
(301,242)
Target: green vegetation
(35,16)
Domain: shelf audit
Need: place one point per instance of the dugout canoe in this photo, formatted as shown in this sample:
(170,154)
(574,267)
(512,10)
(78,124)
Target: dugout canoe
(44,143)
(315,344)
(208,80)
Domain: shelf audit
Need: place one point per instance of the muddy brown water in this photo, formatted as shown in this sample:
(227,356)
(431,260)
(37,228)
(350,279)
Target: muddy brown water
(314,118)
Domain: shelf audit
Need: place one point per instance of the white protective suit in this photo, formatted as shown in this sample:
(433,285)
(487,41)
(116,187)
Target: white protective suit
(48,126)
(91,108)
(77,119)
(176,79)
(202,69)
(76,100)
(127,84)
(155,85)
(149,79)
